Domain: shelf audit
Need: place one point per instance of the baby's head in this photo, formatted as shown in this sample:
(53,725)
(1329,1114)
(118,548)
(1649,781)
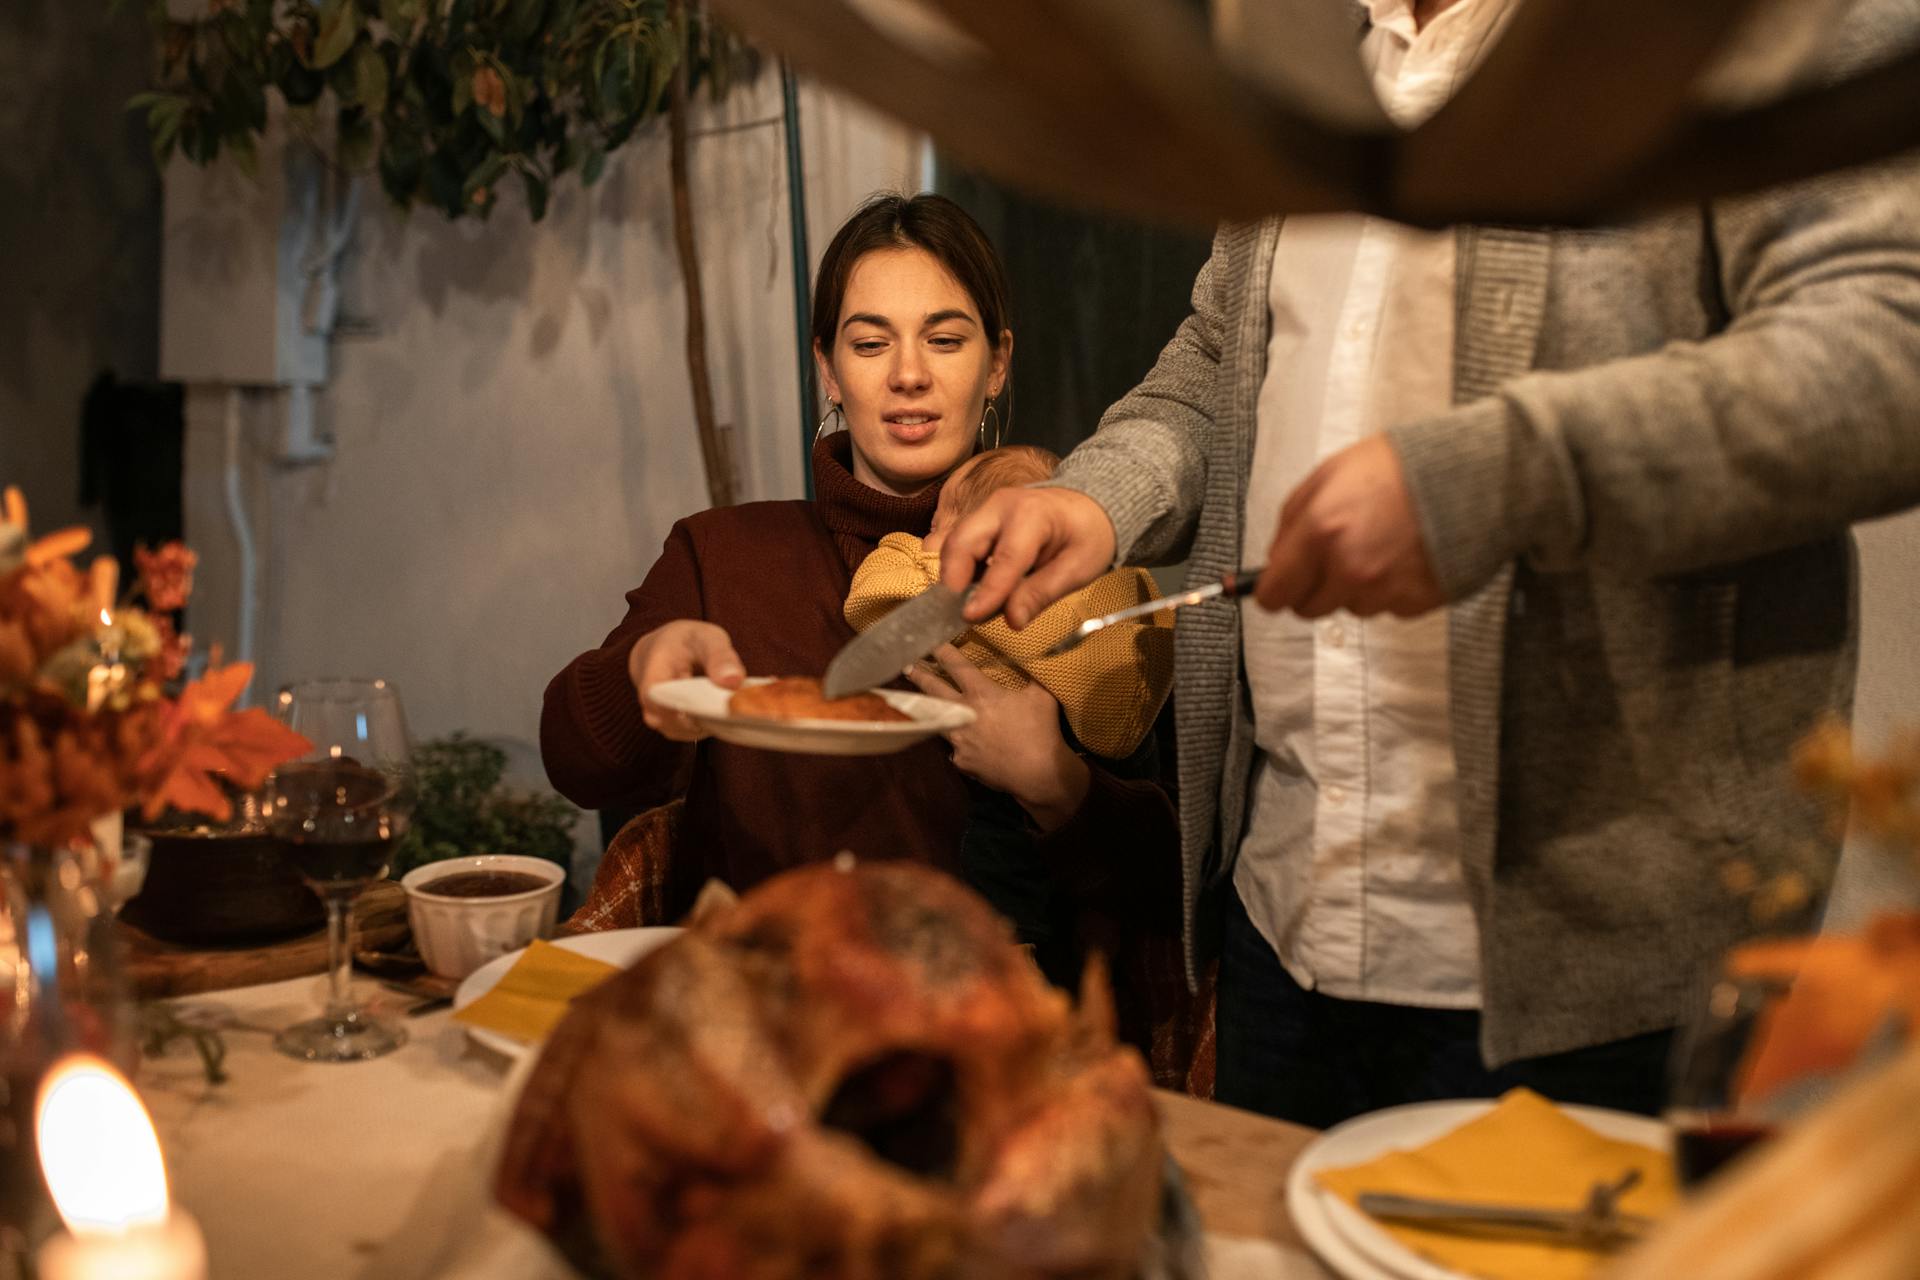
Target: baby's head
(969,483)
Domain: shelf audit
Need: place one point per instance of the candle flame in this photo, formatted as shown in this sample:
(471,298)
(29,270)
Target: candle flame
(98,1149)
(106,619)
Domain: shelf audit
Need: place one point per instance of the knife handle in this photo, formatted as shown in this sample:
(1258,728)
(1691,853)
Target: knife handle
(1241,581)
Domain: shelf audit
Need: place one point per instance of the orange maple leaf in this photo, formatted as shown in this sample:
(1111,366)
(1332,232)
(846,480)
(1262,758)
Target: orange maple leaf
(1841,991)
(205,736)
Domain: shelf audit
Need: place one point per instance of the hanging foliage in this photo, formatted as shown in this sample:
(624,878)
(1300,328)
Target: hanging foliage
(446,99)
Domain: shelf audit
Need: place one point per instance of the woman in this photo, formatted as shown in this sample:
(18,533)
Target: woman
(911,338)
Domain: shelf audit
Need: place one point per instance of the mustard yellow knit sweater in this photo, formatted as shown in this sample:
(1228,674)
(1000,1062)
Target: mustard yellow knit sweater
(1111,687)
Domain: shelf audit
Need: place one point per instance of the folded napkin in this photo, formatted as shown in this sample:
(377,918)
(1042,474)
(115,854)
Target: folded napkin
(529,1001)
(1110,687)
(1525,1151)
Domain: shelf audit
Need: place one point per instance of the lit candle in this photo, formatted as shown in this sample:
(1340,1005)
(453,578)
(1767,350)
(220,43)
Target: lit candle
(105,677)
(102,1163)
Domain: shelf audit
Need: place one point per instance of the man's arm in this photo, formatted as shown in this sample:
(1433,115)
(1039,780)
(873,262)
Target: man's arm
(1145,470)
(1802,417)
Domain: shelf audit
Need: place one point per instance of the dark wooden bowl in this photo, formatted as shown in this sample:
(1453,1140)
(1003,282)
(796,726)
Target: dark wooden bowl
(221,886)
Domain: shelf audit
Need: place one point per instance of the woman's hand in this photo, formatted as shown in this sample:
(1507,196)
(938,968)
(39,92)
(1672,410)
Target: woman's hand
(1015,745)
(674,651)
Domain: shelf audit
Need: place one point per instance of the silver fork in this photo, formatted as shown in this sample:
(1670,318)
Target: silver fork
(1596,1224)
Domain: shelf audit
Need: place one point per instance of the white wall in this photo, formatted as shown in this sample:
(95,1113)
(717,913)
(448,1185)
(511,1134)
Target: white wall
(1886,701)
(515,433)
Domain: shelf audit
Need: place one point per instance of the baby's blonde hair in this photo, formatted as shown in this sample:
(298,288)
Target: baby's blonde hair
(1000,468)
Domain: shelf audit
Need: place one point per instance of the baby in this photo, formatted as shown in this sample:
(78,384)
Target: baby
(1110,689)
(970,484)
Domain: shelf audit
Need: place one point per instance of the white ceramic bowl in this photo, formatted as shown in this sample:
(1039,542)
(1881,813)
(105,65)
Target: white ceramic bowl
(458,935)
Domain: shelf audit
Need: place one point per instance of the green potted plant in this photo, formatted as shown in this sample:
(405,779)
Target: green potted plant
(463,807)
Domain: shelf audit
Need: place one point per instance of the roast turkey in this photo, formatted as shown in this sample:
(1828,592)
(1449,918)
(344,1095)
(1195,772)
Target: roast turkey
(852,1071)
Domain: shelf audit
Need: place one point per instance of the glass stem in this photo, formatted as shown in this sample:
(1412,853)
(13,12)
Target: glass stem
(340,1006)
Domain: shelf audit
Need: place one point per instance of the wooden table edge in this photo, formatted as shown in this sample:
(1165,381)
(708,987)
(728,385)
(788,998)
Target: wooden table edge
(1236,1164)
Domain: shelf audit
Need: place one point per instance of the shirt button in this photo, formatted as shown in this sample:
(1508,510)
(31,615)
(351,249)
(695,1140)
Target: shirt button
(1336,635)
(1335,796)
(1359,330)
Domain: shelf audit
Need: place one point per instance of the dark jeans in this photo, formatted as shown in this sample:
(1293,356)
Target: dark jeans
(1317,1060)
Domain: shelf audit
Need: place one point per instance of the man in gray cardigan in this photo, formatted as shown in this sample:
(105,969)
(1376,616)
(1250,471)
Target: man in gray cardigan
(1630,510)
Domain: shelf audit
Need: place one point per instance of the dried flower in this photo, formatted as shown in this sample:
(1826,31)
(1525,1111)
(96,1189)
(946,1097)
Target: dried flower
(84,726)
(166,575)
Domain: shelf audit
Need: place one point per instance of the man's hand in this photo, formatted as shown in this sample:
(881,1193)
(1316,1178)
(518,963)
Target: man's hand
(1039,544)
(1348,539)
(673,651)
(1014,744)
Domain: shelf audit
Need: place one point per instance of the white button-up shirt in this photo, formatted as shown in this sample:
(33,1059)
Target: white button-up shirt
(1350,865)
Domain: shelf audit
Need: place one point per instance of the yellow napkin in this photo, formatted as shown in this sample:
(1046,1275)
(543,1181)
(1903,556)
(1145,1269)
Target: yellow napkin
(531,999)
(1110,687)
(1525,1151)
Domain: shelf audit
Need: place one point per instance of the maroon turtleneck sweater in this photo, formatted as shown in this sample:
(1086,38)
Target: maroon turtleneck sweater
(774,575)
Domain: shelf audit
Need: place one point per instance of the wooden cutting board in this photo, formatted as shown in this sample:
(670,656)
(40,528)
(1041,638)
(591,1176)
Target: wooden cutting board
(158,969)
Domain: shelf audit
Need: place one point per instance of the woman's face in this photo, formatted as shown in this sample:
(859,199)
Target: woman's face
(911,368)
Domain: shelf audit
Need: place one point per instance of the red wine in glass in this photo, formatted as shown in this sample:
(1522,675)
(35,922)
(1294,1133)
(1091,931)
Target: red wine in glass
(338,830)
(1703,1145)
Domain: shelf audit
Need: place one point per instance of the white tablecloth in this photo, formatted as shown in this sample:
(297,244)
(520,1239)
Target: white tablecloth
(377,1170)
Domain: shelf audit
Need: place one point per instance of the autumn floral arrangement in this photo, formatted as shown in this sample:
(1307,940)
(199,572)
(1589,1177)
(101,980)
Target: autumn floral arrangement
(1845,993)
(94,716)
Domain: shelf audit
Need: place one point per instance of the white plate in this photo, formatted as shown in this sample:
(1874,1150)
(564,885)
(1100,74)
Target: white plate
(1355,1246)
(706,702)
(615,946)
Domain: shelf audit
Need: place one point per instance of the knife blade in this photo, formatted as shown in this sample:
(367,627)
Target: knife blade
(1233,585)
(912,631)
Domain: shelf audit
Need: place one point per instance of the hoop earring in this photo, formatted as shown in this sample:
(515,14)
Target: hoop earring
(833,412)
(991,411)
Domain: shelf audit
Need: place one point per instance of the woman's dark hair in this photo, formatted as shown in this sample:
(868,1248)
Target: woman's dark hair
(930,222)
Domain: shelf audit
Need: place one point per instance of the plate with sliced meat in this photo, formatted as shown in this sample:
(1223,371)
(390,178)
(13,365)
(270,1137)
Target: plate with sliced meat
(792,714)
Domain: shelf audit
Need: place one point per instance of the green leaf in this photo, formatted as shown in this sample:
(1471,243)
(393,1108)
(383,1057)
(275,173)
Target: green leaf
(593,162)
(536,193)
(399,15)
(401,166)
(462,72)
(614,85)
(517,89)
(344,80)
(443,183)
(163,122)
(523,21)
(482,179)
(355,140)
(240,147)
(339,24)
(370,72)
(301,85)
(200,140)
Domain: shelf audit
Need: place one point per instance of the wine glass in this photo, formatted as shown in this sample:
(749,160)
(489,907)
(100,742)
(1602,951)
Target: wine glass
(337,813)
(1713,1118)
